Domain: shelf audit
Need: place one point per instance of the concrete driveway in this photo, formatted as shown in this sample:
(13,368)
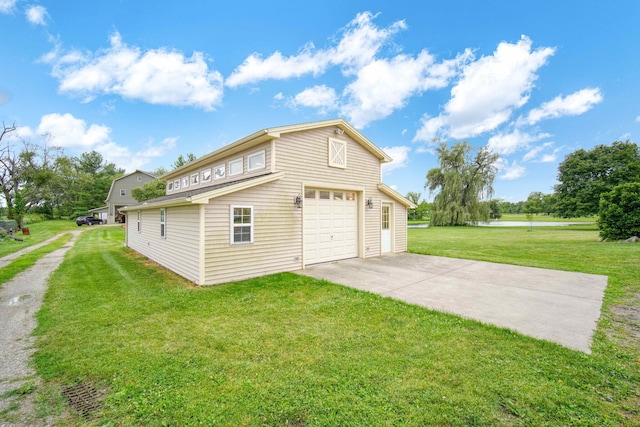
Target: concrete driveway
(558,306)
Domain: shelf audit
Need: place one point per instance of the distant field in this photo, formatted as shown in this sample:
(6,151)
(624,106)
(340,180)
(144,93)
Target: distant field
(545,218)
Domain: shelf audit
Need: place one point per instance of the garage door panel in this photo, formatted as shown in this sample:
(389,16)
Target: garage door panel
(331,226)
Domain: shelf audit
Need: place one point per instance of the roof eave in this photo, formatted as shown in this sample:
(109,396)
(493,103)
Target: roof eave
(396,196)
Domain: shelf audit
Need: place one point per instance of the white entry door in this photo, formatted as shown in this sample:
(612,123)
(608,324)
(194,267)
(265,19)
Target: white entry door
(330,225)
(386,228)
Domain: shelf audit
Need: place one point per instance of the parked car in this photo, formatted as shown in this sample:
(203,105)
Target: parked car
(88,220)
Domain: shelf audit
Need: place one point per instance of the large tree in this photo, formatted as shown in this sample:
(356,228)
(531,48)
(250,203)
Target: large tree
(150,190)
(462,182)
(585,175)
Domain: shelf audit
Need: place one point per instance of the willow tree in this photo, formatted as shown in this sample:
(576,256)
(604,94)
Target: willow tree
(463,183)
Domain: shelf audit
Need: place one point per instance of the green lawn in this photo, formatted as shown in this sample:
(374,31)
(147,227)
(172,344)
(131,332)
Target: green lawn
(290,350)
(545,218)
(38,232)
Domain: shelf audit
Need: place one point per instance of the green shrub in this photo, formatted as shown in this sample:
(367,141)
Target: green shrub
(620,212)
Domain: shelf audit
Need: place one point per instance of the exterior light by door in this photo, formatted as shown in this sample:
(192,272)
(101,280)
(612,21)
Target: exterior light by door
(298,201)
(370,203)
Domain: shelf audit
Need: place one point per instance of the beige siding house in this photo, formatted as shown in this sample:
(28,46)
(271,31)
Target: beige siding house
(277,200)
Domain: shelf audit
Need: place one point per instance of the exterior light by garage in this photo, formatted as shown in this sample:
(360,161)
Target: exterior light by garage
(298,201)
(370,203)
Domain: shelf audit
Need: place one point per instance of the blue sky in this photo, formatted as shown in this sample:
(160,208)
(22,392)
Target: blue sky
(142,82)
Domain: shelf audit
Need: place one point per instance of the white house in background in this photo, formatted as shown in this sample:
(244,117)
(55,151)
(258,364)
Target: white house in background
(277,200)
(120,194)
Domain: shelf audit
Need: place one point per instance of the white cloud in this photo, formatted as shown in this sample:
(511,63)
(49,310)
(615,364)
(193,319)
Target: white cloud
(36,14)
(488,92)
(380,85)
(384,85)
(638,119)
(157,76)
(322,97)
(509,171)
(67,131)
(549,158)
(360,42)
(75,134)
(572,105)
(508,143)
(7,6)
(400,156)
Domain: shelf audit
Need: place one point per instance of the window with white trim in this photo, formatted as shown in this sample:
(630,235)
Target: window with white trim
(185,182)
(218,172)
(123,191)
(256,161)
(176,184)
(206,175)
(337,153)
(195,179)
(170,186)
(139,220)
(235,167)
(163,223)
(241,224)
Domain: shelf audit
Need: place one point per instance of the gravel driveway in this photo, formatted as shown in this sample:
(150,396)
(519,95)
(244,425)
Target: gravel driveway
(20,300)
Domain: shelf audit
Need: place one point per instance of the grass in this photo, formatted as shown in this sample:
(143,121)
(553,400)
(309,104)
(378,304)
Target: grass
(27,260)
(545,218)
(38,232)
(290,350)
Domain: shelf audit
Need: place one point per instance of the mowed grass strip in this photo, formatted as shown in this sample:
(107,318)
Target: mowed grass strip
(38,232)
(29,259)
(290,350)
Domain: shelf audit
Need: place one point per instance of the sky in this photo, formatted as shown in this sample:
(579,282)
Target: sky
(143,82)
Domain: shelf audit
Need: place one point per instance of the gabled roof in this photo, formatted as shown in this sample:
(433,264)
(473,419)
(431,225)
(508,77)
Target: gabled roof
(268,134)
(113,183)
(203,195)
(396,196)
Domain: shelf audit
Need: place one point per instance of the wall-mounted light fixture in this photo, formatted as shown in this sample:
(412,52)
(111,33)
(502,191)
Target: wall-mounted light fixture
(338,131)
(298,201)
(370,203)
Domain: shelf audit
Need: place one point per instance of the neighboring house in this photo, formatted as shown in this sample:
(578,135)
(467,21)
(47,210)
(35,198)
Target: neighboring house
(277,200)
(120,193)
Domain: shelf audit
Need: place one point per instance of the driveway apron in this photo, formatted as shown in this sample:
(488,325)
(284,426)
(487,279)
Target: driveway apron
(558,306)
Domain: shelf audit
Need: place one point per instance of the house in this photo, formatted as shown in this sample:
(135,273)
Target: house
(277,200)
(120,195)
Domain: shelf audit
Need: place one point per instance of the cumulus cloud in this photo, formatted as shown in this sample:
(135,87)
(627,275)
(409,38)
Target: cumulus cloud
(36,14)
(572,105)
(7,6)
(489,90)
(321,97)
(379,86)
(508,143)
(509,171)
(400,156)
(75,134)
(157,76)
(360,42)
(535,151)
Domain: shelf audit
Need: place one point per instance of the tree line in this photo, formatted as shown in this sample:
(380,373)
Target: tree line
(589,181)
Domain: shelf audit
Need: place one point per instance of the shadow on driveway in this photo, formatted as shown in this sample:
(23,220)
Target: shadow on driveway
(558,306)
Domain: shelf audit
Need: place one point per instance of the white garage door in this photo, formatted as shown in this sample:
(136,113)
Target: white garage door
(330,225)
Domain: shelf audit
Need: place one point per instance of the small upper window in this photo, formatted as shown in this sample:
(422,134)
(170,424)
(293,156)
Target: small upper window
(139,178)
(195,178)
(123,191)
(255,161)
(218,172)
(309,194)
(235,167)
(139,220)
(176,184)
(325,195)
(337,153)
(206,175)
(170,186)
(185,182)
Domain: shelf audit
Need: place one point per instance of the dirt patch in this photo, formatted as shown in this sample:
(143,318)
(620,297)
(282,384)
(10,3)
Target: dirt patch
(627,318)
